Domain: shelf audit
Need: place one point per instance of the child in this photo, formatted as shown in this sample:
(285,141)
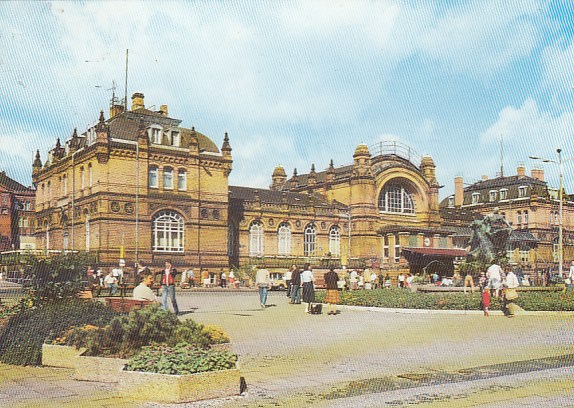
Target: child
(485,300)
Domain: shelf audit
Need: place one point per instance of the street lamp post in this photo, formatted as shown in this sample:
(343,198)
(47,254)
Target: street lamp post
(560,164)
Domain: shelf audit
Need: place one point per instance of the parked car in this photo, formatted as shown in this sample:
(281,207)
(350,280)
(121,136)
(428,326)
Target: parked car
(277,281)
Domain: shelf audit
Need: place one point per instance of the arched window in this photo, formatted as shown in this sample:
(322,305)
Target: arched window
(310,240)
(256,239)
(168,178)
(395,198)
(284,239)
(335,240)
(167,232)
(181,180)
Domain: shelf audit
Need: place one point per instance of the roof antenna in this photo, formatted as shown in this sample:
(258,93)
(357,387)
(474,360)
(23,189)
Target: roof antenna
(126,84)
(501,165)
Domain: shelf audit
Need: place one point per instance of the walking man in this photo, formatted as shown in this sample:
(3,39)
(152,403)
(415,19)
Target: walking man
(296,286)
(168,286)
(262,281)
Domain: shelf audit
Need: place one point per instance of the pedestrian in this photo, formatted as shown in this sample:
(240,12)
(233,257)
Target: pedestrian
(409,280)
(494,278)
(381,280)
(469,281)
(296,286)
(353,281)
(111,282)
(262,281)
(307,282)
(231,278)
(191,277)
(485,300)
(222,279)
(482,282)
(570,278)
(373,280)
(287,278)
(387,281)
(143,290)
(332,297)
(401,280)
(510,294)
(361,283)
(168,286)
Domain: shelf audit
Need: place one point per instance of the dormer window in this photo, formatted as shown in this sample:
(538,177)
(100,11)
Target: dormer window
(503,194)
(175,138)
(451,201)
(155,133)
(522,191)
(475,198)
(91,136)
(492,196)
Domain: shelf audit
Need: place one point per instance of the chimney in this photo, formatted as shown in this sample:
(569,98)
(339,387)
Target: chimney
(537,174)
(138,101)
(116,109)
(520,170)
(163,110)
(458,191)
(484,177)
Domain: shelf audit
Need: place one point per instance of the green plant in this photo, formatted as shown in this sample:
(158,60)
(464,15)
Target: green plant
(22,338)
(216,334)
(181,359)
(191,332)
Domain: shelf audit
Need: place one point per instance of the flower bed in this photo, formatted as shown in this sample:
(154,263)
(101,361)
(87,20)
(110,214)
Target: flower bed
(405,299)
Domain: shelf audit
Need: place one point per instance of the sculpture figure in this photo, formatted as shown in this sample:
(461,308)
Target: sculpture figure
(489,237)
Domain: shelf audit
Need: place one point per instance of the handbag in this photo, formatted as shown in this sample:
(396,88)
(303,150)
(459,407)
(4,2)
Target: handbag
(511,294)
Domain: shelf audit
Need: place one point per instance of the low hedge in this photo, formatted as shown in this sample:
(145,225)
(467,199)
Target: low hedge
(405,299)
(26,330)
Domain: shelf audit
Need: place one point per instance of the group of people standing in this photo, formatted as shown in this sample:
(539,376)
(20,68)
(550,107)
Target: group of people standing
(496,283)
(301,287)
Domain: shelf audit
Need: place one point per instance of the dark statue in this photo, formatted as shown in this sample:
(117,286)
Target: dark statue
(489,237)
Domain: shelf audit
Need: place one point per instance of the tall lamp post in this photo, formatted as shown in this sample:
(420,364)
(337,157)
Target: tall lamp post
(560,164)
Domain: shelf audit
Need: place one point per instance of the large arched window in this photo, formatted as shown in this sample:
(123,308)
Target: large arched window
(310,240)
(335,240)
(256,239)
(395,198)
(284,239)
(167,232)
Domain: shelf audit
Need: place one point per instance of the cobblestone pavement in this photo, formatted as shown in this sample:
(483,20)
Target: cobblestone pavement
(361,357)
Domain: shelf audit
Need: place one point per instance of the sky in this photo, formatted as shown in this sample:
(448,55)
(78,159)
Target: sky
(296,83)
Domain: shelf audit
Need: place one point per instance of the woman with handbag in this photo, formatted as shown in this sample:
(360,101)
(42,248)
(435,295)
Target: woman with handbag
(510,294)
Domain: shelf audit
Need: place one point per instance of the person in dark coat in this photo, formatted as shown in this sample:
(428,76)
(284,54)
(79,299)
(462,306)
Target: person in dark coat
(332,297)
(296,286)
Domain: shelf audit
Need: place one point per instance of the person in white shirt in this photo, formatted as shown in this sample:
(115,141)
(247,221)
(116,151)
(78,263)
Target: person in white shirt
(353,283)
(494,276)
(307,281)
(510,284)
(143,290)
(111,282)
(287,278)
(263,282)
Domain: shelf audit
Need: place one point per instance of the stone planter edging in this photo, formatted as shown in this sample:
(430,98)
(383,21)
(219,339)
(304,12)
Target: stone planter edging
(168,388)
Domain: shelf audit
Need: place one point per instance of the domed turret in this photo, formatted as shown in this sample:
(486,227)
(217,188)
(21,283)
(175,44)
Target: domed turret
(278,178)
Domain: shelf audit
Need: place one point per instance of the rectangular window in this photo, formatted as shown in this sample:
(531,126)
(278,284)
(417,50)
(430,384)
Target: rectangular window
(492,196)
(82,178)
(168,179)
(526,218)
(90,175)
(182,180)
(519,218)
(155,136)
(175,139)
(397,254)
(475,198)
(503,194)
(522,191)
(386,248)
(153,182)
(524,256)
(451,201)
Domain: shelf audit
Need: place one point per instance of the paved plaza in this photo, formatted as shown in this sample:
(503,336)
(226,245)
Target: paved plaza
(361,357)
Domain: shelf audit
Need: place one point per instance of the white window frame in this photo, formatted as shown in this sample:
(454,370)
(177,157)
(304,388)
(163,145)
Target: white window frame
(153,175)
(168,232)
(394,198)
(168,178)
(503,194)
(519,218)
(335,240)
(397,248)
(181,180)
(256,239)
(175,137)
(475,198)
(451,201)
(386,251)
(524,256)
(90,174)
(522,190)
(155,134)
(284,239)
(310,240)
(492,196)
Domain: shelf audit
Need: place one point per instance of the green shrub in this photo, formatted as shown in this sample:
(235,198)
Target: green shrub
(22,338)
(181,359)
(191,332)
(405,299)
(216,334)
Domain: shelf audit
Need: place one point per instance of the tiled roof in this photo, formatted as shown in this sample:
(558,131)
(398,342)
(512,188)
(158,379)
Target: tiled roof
(276,197)
(11,184)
